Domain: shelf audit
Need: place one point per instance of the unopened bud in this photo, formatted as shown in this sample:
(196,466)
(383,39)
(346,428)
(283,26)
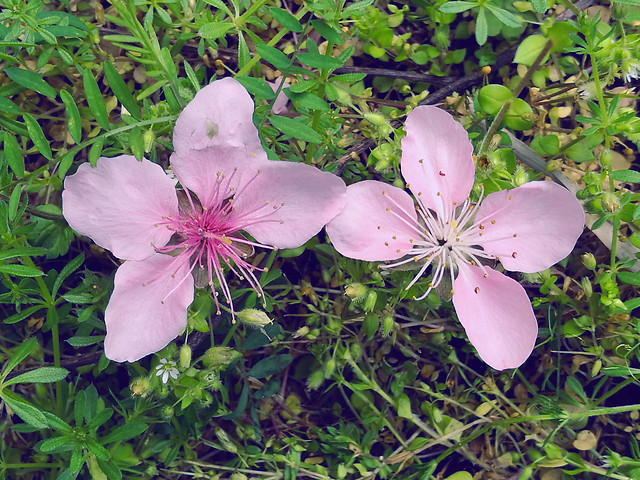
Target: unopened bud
(329,367)
(610,202)
(220,357)
(185,357)
(356,351)
(589,260)
(387,325)
(521,176)
(605,157)
(254,318)
(370,301)
(315,380)
(355,291)
(375,119)
(486,70)
(587,287)
(140,387)
(167,411)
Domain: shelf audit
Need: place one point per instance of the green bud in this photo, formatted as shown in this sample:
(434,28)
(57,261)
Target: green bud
(149,138)
(521,176)
(375,119)
(605,157)
(370,301)
(185,357)
(586,286)
(398,183)
(254,318)
(356,351)
(329,367)
(356,291)
(527,473)
(140,387)
(387,324)
(220,357)
(162,391)
(315,380)
(610,202)
(168,411)
(227,444)
(589,261)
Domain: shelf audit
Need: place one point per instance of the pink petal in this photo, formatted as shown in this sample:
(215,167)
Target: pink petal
(201,171)
(284,204)
(437,160)
(220,114)
(281,101)
(119,204)
(536,225)
(366,228)
(496,313)
(138,322)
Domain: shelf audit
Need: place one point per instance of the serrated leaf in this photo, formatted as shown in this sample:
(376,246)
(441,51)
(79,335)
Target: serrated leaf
(40,375)
(95,99)
(629,176)
(31,81)
(13,154)
(37,136)
(73,116)
(22,251)
(285,19)
(214,30)
(295,129)
(121,91)
(21,270)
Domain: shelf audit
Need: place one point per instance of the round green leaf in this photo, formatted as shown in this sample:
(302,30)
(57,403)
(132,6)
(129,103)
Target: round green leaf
(517,115)
(492,97)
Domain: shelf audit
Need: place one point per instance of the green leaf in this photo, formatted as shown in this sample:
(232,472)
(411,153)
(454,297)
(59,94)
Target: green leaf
(629,176)
(85,341)
(492,97)
(271,365)
(635,3)
(21,270)
(8,106)
(31,81)
(37,136)
(73,116)
(319,61)
(257,86)
(327,31)
(457,7)
(96,151)
(27,412)
(214,30)
(110,469)
(244,55)
(136,143)
(124,432)
(540,5)
(121,91)
(506,17)
(22,251)
(54,443)
(27,312)
(287,20)
(404,406)
(312,102)
(40,375)
(274,56)
(295,129)
(95,99)
(67,270)
(482,28)
(530,49)
(14,201)
(13,154)
(629,278)
(22,352)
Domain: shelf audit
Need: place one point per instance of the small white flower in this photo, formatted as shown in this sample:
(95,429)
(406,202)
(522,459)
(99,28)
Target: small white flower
(167,368)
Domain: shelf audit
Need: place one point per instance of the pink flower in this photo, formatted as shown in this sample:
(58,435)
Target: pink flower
(528,229)
(171,240)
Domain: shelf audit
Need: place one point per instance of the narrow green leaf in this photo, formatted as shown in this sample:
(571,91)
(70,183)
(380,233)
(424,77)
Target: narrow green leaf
(85,341)
(54,443)
(242,404)
(482,28)
(629,278)
(630,176)
(327,31)
(191,75)
(22,352)
(67,270)
(124,432)
(257,86)
(57,423)
(73,116)
(274,56)
(136,142)
(295,129)
(31,81)
(287,20)
(27,312)
(456,7)
(221,5)
(66,162)
(214,30)
(27,412)
(37,136)
(13,154)
(121,91)
(505,16)
(244,54)
(40,375)
(110,469)
(22,251)
(317,60)
(96,151)
(14,201)
(95,99)
(21,270)
(8,106)
(635,3)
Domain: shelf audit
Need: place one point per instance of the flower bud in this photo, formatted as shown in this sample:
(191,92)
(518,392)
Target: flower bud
(220,357)
(375,119)
(185,357)
(356,351)
(610,202)
(586,286)
(254,318)
(329,367)
(521,176)
(589,260)
(387,324)
(355,291)
(315,380)
(605,157)
(167,411)
(370,301)
(140,387)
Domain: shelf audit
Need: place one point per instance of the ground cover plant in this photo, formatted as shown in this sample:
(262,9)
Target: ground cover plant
(173,306)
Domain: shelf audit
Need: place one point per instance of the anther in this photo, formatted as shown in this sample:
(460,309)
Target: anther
(514,254)
(485,275)
(477,290)
(453,292)
(388,209)
(510,197)
(493,222)
(481,227)
(515,235)
(384,192)
(379,227)
(386,243)
(395,237)
(441,174)
(421,160)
